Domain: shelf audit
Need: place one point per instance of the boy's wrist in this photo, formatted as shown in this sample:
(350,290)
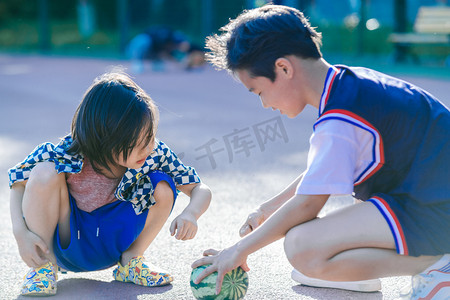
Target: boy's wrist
(241,248)
(248,245)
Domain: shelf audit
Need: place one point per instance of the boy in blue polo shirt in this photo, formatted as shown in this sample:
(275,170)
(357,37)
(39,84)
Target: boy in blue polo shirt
(383,140)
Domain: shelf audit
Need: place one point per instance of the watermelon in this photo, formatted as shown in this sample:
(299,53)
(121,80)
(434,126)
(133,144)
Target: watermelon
(234,287)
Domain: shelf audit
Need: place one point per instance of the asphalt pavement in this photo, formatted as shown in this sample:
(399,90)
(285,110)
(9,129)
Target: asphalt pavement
(244,153)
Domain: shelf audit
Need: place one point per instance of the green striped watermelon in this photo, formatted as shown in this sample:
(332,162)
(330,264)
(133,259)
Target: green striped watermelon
(234,287)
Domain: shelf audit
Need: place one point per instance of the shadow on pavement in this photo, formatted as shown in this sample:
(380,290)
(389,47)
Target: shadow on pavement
(325,293)
(82,288)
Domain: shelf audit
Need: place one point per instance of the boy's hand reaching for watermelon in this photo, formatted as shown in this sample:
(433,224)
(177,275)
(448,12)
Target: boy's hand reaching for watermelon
(221,262)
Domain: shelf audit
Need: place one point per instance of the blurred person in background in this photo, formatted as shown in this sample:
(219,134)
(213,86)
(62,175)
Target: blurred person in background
(159,44)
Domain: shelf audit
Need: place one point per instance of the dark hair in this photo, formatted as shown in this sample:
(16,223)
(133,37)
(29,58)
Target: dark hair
(113,116)
(258,37)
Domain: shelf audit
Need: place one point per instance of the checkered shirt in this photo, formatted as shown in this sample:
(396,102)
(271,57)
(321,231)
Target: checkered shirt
(135,185)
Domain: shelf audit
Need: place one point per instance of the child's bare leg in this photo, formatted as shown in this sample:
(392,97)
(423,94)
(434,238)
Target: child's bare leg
(46,203)
(157,216)
(352,244)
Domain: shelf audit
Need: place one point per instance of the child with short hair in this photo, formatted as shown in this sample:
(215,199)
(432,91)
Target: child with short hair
(377,137)
(100,196)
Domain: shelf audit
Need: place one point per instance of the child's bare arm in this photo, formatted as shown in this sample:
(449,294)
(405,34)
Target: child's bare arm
(266,209)
(27,242)
(16,195)
(185,225)
(299,209)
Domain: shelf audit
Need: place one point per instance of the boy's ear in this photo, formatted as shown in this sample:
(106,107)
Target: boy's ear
(284,66)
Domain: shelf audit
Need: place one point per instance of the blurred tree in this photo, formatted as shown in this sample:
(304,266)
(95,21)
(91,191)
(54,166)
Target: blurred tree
(107,13)
(362,25)
(207,16)
(63,10)
(123,24)
(400,25)
(44,27)
(86,18)
(17,9)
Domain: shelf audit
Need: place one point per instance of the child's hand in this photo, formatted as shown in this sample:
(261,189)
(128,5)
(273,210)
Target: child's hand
(185,226)
(32,249)
(254,219)
(221,262)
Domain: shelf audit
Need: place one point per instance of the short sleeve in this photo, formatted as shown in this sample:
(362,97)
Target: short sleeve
(170,164)
(332,159)
(63,161)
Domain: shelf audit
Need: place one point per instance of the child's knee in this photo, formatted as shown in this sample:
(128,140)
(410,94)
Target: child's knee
(164,194)
(299,251)
(293,242)
(44,176)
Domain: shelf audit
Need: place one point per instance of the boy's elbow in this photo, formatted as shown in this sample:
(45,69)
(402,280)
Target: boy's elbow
(311,205)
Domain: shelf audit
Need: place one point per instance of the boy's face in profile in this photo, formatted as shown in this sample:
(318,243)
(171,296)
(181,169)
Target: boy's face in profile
(278,95)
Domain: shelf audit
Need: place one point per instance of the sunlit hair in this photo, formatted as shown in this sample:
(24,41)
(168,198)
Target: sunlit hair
(258,37)
(114,117)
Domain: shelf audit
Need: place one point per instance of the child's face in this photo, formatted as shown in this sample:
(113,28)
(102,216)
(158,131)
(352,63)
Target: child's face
(138,155)
(278,95)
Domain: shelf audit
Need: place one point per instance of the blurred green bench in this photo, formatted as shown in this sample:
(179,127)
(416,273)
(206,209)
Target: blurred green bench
(431,27)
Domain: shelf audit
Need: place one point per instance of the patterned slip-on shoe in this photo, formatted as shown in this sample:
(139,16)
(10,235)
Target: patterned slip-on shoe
(141,273)
(40,281)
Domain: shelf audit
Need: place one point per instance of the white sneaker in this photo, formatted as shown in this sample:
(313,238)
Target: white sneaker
(433,283)
(372,285)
